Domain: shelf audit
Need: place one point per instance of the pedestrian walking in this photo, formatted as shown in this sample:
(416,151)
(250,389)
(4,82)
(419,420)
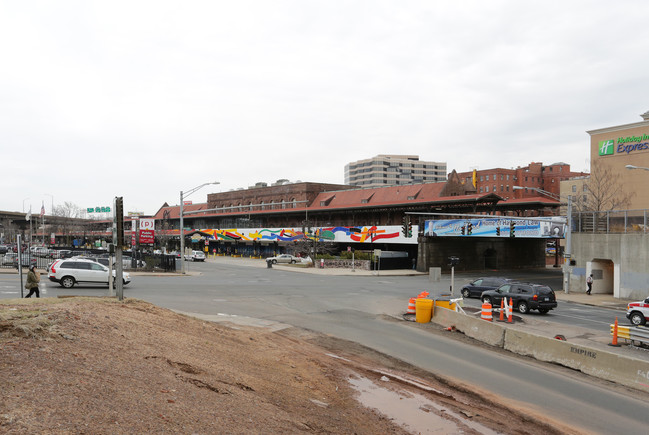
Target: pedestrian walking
(33,278)
(589,283)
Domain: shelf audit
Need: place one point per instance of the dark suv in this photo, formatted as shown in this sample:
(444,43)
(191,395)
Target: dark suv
(525,296)
(476,287)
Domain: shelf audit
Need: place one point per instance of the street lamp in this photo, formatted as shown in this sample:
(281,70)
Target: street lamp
(182,224)
(24,204)
(567,252)
(636,167)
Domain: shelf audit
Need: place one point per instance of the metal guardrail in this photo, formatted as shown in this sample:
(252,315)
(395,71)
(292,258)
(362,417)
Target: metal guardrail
(632,333)
(611,222)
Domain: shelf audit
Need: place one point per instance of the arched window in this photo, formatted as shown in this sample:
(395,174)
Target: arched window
(294,203)
(283,204)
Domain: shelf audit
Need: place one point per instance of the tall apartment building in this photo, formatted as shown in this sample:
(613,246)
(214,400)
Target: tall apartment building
(391,170)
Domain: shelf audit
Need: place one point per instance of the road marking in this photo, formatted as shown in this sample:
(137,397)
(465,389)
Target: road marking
(582,318)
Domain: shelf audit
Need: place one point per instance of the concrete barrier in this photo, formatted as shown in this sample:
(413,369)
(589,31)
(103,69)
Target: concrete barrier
(595,362)
(487,332)
(613,367)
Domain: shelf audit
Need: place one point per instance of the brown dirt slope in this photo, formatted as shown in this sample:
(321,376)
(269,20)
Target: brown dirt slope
(95,365)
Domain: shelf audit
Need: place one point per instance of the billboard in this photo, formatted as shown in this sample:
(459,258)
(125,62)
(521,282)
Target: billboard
(497,227)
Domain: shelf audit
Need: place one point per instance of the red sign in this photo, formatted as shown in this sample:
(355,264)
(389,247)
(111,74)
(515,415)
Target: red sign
(146,237)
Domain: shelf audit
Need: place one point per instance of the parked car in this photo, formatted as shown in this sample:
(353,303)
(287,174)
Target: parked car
(71,271)
(525,296)
(475,288)
(11,259)
(4,249)
(127,262)
(195,256)
(284,258)
(637,312)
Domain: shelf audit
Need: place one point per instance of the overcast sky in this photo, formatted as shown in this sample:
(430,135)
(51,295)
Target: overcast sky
(143,99)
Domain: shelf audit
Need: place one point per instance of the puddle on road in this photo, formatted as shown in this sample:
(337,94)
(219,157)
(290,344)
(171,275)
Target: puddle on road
(413,412)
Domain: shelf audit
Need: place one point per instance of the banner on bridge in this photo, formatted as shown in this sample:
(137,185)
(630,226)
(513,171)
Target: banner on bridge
(496,227)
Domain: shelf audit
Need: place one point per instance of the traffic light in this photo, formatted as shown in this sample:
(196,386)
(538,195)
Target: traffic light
(512,229)
(497,231)
(469,229)
(462,229)
(404,227)
(119,221)
(409,229)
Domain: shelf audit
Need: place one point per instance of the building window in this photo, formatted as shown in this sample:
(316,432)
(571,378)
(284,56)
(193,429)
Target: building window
(502,188)
(507,177)
(574,188)
(481,190)
(481,178)
(486,189)
(486,178)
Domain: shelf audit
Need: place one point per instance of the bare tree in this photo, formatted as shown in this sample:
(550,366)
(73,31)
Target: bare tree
(603,191)
(67,222)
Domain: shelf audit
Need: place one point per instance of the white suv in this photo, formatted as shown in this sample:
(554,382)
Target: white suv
(638,312)
(80,270)
(195,256)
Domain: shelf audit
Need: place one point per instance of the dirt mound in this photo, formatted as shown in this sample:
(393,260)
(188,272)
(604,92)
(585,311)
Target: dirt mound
(95,365)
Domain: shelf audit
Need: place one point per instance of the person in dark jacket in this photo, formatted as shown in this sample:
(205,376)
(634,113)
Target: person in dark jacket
(33,278)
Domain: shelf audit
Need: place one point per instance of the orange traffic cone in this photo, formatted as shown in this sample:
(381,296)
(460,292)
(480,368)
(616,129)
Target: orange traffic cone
(614,343)
(486,312)
(502,310)
(412,306)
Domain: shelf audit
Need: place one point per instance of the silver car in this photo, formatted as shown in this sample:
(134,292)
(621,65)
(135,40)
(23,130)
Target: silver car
(284,258)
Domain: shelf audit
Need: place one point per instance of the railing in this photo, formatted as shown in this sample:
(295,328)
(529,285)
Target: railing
(634,334)
(612,222)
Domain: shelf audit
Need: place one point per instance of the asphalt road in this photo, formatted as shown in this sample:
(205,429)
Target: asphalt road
(353,308)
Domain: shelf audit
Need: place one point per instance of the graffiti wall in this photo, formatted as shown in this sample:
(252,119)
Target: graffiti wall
(359,234)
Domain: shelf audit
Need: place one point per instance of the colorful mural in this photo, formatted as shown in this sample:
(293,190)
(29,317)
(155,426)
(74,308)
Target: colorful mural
(360,234)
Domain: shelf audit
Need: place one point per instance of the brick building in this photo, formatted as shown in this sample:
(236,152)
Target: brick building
(501,181)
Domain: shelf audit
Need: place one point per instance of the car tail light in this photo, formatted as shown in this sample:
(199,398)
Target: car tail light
(52,268)
(535,297)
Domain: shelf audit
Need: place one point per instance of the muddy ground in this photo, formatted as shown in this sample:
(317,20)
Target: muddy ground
(96,365)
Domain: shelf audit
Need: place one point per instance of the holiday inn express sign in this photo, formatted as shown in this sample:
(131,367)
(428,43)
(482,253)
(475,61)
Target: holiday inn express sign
(624,145)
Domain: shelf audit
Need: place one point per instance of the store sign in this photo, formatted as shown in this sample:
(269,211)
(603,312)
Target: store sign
(146,237)
(623,145)
(147,224)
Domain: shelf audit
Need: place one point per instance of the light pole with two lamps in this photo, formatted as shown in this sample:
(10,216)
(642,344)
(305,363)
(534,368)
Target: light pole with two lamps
(182,224)
(567,252)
